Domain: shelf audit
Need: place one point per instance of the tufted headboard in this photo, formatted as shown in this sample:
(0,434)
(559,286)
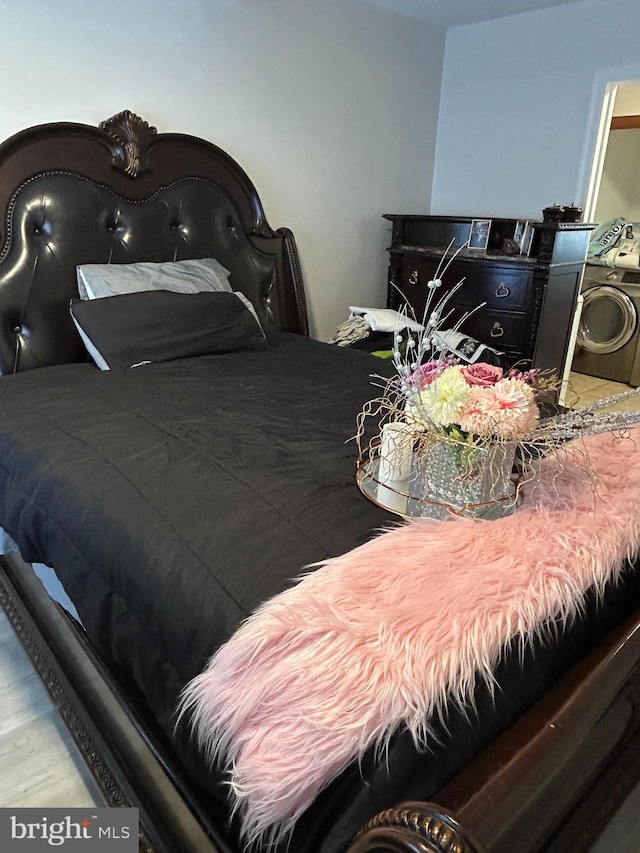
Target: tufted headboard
(120,193)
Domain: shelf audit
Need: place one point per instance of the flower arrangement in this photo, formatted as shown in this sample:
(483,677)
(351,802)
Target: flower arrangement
(473,403)
(456,436)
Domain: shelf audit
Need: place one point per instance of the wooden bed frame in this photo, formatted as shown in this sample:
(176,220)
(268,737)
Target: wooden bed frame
(551,782)
(123,165)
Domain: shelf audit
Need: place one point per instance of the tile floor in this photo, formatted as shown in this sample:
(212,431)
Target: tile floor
(583,390)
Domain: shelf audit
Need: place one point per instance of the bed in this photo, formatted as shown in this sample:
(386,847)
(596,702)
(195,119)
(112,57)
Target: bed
(201,476)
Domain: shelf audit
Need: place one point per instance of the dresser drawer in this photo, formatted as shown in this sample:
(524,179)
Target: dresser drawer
(411,278)
(414,273)
(504,331)
(502,288)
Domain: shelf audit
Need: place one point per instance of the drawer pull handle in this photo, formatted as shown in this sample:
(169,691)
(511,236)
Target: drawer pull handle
(413,278)
(496,330)
(502,290)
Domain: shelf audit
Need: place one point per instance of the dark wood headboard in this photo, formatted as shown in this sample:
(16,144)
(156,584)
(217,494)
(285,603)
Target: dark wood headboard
(72,194)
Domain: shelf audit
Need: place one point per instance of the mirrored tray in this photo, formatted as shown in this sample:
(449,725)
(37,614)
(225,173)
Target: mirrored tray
(396,497)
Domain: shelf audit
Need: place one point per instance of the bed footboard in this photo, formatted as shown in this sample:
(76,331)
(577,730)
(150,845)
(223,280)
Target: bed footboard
(553,782)
(414,828)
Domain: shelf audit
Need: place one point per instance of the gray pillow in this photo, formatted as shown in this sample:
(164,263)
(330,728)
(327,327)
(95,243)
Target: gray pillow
(96,281)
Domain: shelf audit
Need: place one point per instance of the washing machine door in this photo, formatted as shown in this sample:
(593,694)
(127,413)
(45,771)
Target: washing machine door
(608,320)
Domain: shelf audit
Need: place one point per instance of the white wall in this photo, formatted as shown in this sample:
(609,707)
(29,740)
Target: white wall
(330,106)
(619,193)
(520,101)
(627,101)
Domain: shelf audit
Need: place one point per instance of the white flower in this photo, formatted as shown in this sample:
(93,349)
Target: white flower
(442,400)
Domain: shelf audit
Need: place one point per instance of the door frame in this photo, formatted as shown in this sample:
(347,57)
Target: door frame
(600,150)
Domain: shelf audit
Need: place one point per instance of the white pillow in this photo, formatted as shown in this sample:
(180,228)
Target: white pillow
(95,281)
(385,319)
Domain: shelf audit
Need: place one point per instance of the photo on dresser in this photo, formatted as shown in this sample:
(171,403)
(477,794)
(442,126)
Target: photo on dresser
(527,239)
(479,234)
(518,232)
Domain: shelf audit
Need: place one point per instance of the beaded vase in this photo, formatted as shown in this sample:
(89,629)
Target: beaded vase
(450,478)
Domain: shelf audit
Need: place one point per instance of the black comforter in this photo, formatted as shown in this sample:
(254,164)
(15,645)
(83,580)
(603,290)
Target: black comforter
(172,499)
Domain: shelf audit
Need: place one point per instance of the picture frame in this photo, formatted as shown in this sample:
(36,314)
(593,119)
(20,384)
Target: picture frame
(527,239)
(479,234)
(518,232)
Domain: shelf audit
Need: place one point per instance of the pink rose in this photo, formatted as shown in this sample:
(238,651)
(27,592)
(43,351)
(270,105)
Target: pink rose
(425,374)
(482,374)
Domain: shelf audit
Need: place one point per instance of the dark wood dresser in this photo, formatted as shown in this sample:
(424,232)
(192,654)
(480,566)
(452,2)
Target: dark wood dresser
(530,298)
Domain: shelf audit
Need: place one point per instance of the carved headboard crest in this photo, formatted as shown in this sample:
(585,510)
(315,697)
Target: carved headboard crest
(131,137)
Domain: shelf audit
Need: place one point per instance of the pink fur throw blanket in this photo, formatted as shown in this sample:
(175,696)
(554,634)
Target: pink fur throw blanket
(382,637)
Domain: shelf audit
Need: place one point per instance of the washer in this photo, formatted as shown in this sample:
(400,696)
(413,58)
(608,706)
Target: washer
(607,343)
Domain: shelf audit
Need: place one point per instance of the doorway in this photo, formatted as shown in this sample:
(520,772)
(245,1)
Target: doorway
(613,188)
(612,192)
